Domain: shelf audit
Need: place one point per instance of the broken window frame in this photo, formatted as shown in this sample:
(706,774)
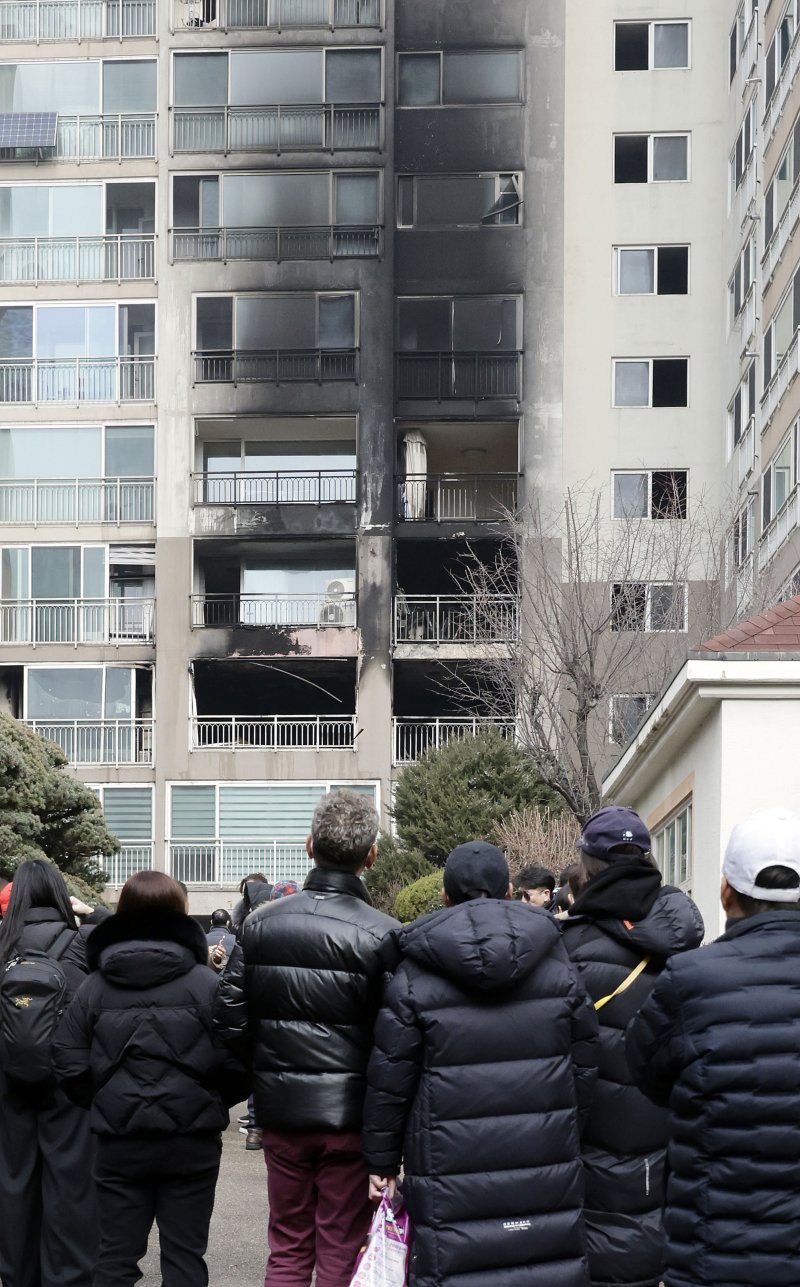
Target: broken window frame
(493,216)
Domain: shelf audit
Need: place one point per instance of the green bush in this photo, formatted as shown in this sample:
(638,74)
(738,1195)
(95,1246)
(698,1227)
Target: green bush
(423,896)
(394,868)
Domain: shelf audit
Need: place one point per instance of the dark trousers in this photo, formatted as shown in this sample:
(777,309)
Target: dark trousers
(170,1179)
(48,1219)
(319,1208)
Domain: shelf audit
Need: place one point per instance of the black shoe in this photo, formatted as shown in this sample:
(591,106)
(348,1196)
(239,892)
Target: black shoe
(253,1140)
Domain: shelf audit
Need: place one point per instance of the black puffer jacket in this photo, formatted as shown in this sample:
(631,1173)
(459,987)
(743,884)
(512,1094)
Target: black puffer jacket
(719,1041)
(625,1140)
(137,1042)
(43,927)
(484,1058)
(300,996)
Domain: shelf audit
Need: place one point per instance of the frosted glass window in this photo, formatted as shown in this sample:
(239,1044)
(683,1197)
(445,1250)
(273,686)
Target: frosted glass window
(38,87)
(484,324)
(453,199)
(279,322)
(129,86)
(76,332)
(276,200)
(630,496)
(95,580)
(276,76)
(356,199)
(129,451)
(418,80)
(24,211)
(222,457)
(336,321)
(118,697)
(56,572)
(671,44)
(48,452)
(215,323)
(14,580)
(16,332)
(670,158)
(67,692)
(353,76)
(636,272)
(262,579)
(631,384)
(481,78)
(201,80)
(76,211)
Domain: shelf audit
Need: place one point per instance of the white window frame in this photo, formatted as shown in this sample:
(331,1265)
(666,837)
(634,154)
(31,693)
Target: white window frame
(745,272)
(619,251)
(742,395)
(741,538)
(661,836)
(649,517)
(498,176)
(613,725)
(747,11)
(749,126)
(258,49)
(650,586)
(792,440)
(791,10)
(98,665)
(651,40)
(647,406)
(771,370)
(659,134)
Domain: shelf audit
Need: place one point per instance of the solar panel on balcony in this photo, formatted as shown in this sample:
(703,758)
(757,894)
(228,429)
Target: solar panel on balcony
(28,129)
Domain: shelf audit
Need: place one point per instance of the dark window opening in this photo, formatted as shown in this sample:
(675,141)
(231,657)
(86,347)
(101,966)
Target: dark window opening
(632,46)
(670,382)
(628,606)
(668,493)
(630,158)
(673,270)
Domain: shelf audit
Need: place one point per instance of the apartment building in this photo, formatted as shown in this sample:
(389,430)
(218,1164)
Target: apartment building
(297,297)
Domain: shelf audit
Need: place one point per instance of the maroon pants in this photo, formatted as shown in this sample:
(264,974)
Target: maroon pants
(319,1208)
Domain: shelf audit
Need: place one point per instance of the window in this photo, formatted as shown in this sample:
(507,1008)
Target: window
(79,692)
(779,478)
(461,324)
(744,147)
(650,493)
(651,382)
(672,849)
(651,158)
(449,78)
(740,538)
(276,200)
(76,451)
(747,12)
(648,606)
(253,77)
(128,811)
(79,88)
(779,48)
(782,185)
(652,270)
(743,407)
(744,275)
(780,330)
(626,712)
(645,46)
(459,200)
(254,323)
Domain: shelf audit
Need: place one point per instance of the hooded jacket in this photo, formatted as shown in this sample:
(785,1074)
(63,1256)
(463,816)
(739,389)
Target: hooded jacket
(137,1041)
(621,917)
(719,1042)
(299,998)
(484,1061)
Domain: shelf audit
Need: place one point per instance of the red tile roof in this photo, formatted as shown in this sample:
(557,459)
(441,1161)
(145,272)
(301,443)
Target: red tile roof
(776,630)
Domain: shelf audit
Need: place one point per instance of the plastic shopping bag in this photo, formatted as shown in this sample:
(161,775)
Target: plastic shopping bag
(383,1260)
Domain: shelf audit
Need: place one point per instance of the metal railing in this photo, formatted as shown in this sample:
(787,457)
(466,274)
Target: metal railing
(784,376)
(77,621)
(455,498)
(745,452)
(336,241)
(277,128)
(254,14)
(117,257)
(777,104)
(302,487)
(787,222)
(220,862)
(43,20)
(119,137)
(90,379)
(273,610)
(454,618)
(473,376)
(779,529)
(275,366)
(77,500)
(132,857)
(99,741)
(413,737)
(274,733)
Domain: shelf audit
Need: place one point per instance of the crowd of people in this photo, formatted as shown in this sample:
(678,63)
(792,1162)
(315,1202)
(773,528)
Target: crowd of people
(568,1092)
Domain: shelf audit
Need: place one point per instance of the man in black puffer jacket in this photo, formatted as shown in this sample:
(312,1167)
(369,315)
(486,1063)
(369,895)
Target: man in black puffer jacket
(620,931)
(299,998)
(719,1042)
(484,1062)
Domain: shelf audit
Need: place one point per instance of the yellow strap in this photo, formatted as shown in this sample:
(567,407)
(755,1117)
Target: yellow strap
(626,983)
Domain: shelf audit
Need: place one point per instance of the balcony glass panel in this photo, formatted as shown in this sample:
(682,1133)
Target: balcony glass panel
(276,76)
(201,80)
(492,77)
(129,86)
(276,200)
(353,76)
(65,87)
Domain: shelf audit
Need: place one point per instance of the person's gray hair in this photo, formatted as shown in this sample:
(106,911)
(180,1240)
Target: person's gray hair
(343,829)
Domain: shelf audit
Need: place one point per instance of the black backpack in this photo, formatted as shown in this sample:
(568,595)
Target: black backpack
(33,993)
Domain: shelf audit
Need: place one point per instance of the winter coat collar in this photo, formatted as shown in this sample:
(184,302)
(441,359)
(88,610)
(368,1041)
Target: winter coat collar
(156,927)
(626,890)
(779,920)
(325,880)
(42,915)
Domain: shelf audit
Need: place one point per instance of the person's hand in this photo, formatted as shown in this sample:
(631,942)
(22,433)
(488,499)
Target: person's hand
(80,908)
(377,1183)
(218,954)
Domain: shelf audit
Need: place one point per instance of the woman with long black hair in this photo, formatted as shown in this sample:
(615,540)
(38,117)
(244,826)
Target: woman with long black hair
(47,1197)
(137,1044)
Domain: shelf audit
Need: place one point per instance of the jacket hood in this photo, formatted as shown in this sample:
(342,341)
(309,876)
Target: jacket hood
(141,952)
(673,924)
(487,945)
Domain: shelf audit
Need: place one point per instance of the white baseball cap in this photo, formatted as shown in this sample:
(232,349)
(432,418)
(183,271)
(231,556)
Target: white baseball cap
(768,838)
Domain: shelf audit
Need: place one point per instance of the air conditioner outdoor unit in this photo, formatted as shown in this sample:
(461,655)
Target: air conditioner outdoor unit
(342,585)
(338,608)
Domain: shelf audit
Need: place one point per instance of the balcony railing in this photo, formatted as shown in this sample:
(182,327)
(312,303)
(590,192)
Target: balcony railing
(220,862)
(95,379)
(77,500)
(77,621)
(780,528)
(44,20)
(456,498)
(99,741)
(120,137)
(119,257)
(274,733)
(132,857)
(472,376)
(305,487)
(275,611)
(413,737)
(787,223)
(255,14)
(312,127)
(745,452)
(784,376)
(777,104)
(276,366)
(456,618)
(340,241)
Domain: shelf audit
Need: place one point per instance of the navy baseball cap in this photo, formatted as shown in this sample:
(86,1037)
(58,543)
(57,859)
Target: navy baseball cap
(473,869)
(610,827)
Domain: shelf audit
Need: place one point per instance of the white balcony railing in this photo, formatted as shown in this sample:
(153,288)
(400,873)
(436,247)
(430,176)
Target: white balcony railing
(274,733)
(777,533)
(89,379)
(302,487)
(780,97)
(745,452)
(99,741)
(221,862)
(120,137)
(313,127)
(275,245)
(744,200)
(747,320)
(413,737)
(454,618)
(456,498)
(781,237)
(77,621)
(133,856)
(273,610)
(255,14)
(117,257)
(44,20)
(780,382)
(747,58)
(77,500)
